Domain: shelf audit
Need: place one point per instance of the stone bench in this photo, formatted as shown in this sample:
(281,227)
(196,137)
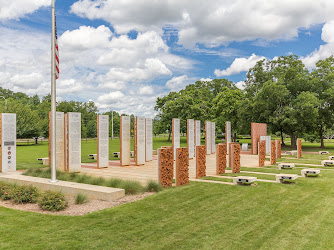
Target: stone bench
(283,177)
(93,156)
(44,160)
(286,166)
(330,158)
(132,153)
(323,152)
(293,152)
(116,154)
(327,162)
(244,147)
(306,172)
(244,180)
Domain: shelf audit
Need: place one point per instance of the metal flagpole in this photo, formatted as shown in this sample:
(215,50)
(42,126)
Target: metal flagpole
(53,96)
(112,124)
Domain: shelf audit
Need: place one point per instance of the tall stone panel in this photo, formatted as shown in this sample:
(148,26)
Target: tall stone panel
(235,155)
(8,142)
(278,149)
(191,138)
(213,137)
(197,133)
(221,158)
(208,134)
(273,153)
(165,166)
(268,143)
(228,135)
(125,140)
(139,140)
(102,141)
(182,167)
(149,139)
(299,148)
(73,141)
(200,161)
(257,130)
(176,135)
(262,152)
(60,141)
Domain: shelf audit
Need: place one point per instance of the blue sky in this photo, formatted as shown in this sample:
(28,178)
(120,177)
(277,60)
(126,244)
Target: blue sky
(125,54)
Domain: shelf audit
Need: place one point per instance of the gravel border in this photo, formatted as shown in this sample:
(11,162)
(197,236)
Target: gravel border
(74,209)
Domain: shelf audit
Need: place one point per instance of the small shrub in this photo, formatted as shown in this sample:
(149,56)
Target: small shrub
(132,187)
(25,194)
(73,175)
(153,186)
(81,198)
(114,182)
(53,201)
(6,191)
(97,181)
(82,178)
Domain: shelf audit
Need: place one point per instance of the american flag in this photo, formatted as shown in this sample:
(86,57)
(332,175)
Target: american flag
(56,52)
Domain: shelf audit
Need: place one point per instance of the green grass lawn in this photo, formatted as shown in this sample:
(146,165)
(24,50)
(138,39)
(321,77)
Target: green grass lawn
(200,215)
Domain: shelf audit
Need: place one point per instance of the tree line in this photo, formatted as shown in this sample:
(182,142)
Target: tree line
(282,92)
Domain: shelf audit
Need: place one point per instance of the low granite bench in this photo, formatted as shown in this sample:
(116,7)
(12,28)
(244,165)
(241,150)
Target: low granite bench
(327,162)
(93,156)
(116,154)
(286,166)
(330,158)
(323,152)
(132,153)
(244,180)
(44,160)
(306,172)
(293,152)
(281,178)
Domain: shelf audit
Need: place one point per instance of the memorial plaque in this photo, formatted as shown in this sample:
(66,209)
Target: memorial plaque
(125,140)
(208,133)
(139,140)
(197,133)
(176,135)
(213,137)
(149,139)
(60,141)
(268,143)
(102,141)
(228,134)
(191,138)
(8,142)
(73,141)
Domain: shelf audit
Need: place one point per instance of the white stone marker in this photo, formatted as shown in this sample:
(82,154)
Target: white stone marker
(8,142)
(244,179)
(268,143)
(213,137)
(191,138)
(103,141)
(140,151)
(125,140)
(197,133)
(244,147)
(228,135)
(208,134)
(327,162)
(286,166)
(176,135)
(74,141)
(281,177)
(306,172)
(149,139)
(60,142)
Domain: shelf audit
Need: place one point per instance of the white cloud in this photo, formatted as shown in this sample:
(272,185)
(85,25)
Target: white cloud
(111,97)
(325,50)
(179,82)
(205,79)
(239,65)
(146,90)
(214,23)
(241,85)
(16,9)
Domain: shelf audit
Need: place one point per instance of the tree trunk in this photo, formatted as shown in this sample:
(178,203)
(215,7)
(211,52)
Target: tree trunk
(282,139)
(235,137)
(169,134)
(322,144)
(293,140)
(36,140)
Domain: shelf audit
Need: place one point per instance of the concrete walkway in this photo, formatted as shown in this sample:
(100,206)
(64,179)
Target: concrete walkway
(149,171)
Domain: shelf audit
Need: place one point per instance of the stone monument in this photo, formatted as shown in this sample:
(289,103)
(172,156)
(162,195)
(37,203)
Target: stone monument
(176,135)
(125,140)
(208,134)
(191,138)
(257,130)
(149,139)
(8,142)
(102,141)
(73,126)
(228,135)
(213,137)
(139,140)
(60,141)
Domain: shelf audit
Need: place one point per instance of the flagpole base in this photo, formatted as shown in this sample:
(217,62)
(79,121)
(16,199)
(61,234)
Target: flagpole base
(53,181)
